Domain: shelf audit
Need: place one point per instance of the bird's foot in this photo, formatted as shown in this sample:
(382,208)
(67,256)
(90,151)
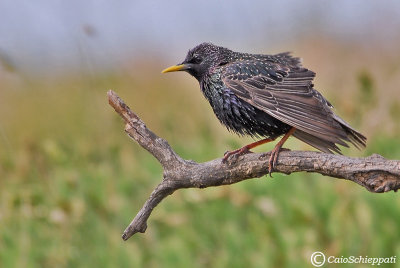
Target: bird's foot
(273,159)
(237,152)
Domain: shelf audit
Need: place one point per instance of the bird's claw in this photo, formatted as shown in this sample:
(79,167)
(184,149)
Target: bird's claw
(272,162)
(273,159)
(238,152)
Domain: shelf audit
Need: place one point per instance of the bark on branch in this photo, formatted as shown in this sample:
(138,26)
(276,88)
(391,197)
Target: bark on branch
(375,173)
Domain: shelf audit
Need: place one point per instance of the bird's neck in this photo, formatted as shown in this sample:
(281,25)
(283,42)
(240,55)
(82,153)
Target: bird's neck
(211,86)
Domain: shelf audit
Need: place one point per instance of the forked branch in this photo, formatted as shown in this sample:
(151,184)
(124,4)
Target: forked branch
(375,173)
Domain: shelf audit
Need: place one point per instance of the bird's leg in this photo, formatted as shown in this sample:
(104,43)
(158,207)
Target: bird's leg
(275,152)
(245,149)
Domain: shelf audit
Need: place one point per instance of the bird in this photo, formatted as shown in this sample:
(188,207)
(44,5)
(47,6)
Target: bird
(266,97)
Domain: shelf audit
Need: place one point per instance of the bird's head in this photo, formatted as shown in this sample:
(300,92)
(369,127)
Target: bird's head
(201,59)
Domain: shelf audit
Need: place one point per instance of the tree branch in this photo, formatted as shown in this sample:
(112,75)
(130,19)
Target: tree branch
(375,173)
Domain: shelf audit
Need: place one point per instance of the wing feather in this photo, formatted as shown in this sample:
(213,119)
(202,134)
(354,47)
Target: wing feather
(286,92)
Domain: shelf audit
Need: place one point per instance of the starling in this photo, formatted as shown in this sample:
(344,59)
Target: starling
(267,96)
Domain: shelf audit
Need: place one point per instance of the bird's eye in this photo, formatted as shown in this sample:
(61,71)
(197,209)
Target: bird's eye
(195,60)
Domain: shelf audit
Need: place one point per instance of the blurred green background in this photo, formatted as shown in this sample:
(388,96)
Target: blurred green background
(71,180)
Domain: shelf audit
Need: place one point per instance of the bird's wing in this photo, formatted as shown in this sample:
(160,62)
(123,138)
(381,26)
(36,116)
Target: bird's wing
(286,93)
(287,58)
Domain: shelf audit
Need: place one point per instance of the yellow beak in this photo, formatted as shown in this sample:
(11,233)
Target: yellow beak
(174,68)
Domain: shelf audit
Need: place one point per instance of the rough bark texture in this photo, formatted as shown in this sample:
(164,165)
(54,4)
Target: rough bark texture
(375,173)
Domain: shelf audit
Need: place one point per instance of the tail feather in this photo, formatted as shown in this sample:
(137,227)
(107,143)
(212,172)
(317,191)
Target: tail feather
(316,142)
(353,136)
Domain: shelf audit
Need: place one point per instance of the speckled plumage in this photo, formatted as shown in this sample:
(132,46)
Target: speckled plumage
(266,96)
(238,115)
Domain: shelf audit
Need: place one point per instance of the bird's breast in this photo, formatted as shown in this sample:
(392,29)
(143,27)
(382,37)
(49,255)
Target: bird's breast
(238,115)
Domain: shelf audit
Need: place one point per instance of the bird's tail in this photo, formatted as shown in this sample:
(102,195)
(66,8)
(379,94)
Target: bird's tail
(353,136)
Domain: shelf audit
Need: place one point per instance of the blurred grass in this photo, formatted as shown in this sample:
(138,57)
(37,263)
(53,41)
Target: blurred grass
(71,180)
